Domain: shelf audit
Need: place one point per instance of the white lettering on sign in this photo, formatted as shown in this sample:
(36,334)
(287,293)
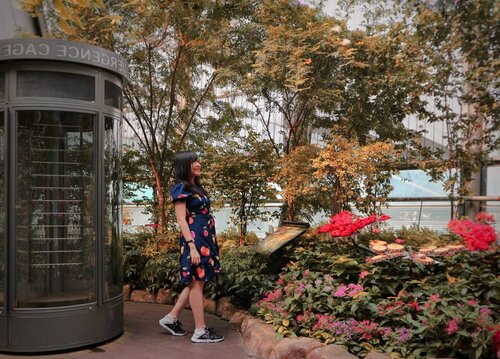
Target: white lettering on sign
(54,49)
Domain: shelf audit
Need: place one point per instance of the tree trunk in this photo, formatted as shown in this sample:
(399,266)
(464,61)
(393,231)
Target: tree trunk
(161,198)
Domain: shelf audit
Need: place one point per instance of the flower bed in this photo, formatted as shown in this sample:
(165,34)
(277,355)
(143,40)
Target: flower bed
(399,305)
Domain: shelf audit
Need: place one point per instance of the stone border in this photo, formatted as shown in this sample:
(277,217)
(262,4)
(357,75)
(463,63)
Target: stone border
(259,338)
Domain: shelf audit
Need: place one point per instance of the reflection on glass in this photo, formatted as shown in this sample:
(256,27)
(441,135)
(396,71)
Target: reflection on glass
(55,84)
(2,211)
(55,239)
(112,95)
(2,85)
(113,271)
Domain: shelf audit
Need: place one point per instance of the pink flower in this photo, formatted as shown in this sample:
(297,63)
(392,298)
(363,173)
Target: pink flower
(434,297)
(452,326)
(280,281)
(472,302)
(363,274)
(354,289)
(376,230)
(399,241)
(341,291)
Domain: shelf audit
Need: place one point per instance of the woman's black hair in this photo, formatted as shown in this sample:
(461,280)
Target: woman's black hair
(182,170)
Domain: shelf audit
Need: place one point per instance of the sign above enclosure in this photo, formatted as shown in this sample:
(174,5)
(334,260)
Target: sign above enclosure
(60,50)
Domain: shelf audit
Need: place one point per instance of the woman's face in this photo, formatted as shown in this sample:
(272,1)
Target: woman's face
(196,168)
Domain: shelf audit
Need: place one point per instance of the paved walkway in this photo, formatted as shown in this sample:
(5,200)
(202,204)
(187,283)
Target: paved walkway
(145,339)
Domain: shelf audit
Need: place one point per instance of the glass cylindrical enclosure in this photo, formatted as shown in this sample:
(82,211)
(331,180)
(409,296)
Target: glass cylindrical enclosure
(60,195)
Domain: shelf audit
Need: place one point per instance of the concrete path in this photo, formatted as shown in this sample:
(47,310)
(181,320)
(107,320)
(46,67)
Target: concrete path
(145,339)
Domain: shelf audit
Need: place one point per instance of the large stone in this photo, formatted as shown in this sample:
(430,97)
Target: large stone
(248,322)
(377,355)
(294,348)
(210,305)
(164,296)
(225,308)
(259,338)
(330,352)
(126,292)
(142,296)
(236,320)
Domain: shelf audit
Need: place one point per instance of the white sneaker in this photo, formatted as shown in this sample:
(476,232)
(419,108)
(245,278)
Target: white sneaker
(208,336)
(173,326)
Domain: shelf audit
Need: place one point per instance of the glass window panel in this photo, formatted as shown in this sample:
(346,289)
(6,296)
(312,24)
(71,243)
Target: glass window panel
(113,219)
(55,239)
(2,211)
(55,84)
(2,85)
(493,189)
(112,95)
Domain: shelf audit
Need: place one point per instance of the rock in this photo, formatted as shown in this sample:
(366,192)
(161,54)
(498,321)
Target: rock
(126,292)
(259,338)
(248,322)
(142,296)
(294,348)
(236,320)
(329,352)
(210,305)
(164,296)
(225,308)
(376,355)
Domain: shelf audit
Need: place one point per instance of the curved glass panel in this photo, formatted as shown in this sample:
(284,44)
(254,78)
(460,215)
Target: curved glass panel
(113,95)
(2,211)
(55,239)
(55,84)
(113,273)
(2,85)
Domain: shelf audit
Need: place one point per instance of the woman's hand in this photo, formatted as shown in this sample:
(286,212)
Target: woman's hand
(195,256)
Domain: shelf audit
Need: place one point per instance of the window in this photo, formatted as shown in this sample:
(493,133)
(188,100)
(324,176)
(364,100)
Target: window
(113,281)
(113,95)
(55,84)
(55,239)
(2,211)
(2,85)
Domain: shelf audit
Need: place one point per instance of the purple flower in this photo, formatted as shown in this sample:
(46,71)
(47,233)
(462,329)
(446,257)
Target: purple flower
(404,334)
(328,278)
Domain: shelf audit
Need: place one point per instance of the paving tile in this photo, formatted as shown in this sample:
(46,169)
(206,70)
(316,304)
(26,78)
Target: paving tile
(143,338)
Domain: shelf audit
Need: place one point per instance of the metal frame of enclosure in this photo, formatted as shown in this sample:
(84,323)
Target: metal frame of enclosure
(60,195)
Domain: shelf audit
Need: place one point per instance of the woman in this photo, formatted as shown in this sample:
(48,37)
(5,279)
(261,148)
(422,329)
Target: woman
(198,246)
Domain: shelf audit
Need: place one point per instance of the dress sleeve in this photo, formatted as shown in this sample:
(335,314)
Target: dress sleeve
(179,193)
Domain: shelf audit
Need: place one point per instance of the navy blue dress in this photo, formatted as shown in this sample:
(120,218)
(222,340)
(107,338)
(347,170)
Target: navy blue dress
(202,227)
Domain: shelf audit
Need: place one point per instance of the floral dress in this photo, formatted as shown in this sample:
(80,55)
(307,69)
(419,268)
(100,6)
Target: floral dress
(202,227)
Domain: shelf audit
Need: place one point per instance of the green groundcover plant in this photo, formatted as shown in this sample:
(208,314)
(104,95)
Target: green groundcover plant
(329,292)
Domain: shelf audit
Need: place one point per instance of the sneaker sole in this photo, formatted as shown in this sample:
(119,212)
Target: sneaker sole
(171,331)
(206,340)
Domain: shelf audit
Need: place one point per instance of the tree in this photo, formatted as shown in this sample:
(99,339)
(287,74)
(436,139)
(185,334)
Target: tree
(179,52)
(455,49)
(459,43)
(342,174)
(239,174)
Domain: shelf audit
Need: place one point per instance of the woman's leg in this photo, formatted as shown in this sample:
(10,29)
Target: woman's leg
(196,301)
(181,303)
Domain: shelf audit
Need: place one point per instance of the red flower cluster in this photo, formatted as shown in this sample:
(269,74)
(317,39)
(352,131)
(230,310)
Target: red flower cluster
(485,217)
(344,224)
(476,235)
